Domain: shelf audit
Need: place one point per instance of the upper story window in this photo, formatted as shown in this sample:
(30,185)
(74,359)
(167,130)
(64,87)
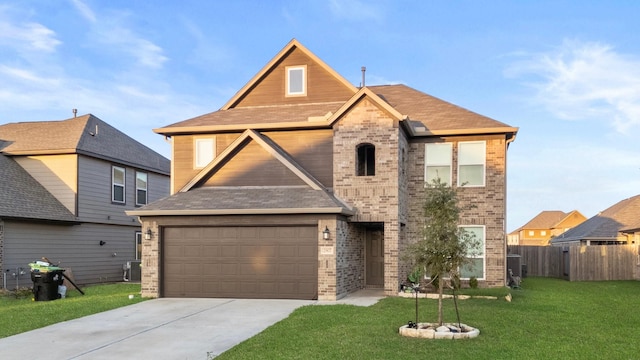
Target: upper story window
(204,152)
(471,163)
(117,184)
(141,188)
(438,158)
(366,161)
(543,233)
(296,80)
(531,233)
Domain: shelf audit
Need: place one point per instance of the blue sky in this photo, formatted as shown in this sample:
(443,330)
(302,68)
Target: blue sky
(567,73)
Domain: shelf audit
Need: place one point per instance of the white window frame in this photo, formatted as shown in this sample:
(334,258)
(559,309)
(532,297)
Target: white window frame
(464,162)
(483,255)
(532,233)
(289,70)
(543,233)
(431,163)
(146,188)
(200,159)
(114,184)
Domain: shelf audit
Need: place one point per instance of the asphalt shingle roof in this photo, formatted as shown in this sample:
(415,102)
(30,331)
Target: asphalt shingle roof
(87,135)
(545,220)
(432,113)
(435,114)
(606,224)
(22,197)
(246,198)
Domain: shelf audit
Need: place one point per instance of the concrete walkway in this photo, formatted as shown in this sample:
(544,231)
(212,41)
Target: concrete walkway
(166,328)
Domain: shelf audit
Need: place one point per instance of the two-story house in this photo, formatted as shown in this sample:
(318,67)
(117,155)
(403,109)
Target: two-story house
(545,226)
(64,191)
(305,186)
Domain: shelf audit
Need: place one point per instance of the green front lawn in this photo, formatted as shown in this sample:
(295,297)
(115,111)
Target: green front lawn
(20,313)
(547,319)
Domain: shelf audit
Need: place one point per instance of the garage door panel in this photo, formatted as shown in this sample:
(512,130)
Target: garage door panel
(245,262)
(307,251)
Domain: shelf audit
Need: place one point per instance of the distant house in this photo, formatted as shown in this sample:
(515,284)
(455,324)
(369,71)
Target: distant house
(544,226)
(619,224)
(305,186)
(64,191)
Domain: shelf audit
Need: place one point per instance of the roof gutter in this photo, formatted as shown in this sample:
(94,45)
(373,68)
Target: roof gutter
(179,130)
(201,212)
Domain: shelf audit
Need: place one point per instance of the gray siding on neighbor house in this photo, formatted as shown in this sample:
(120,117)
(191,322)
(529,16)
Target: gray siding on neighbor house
(76,247)
(94,192)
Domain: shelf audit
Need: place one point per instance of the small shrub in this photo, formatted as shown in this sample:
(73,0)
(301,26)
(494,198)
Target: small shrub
(473,282)
(20,293)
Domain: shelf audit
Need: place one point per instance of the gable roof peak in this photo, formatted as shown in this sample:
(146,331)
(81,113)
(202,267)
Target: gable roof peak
(286,50)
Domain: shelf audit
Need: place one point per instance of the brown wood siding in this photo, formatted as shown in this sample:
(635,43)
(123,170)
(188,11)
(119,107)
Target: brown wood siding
(240,262)
(271,90)
(311,149)
(253,166)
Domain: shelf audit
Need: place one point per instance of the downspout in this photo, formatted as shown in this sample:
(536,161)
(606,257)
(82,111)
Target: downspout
(504,220)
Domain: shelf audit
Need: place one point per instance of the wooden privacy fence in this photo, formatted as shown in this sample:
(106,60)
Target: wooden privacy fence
(581,263)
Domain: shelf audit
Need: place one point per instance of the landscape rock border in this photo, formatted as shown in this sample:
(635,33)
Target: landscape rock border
(444,296)
(434,331)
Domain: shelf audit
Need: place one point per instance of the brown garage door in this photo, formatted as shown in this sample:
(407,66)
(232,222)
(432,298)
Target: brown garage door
(240,262)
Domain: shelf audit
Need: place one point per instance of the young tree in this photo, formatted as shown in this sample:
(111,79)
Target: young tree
(444,247)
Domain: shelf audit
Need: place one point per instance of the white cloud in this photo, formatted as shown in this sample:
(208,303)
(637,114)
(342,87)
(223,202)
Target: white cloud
(355,10)
(585,80)
(84,10)
(110,32)
(26,36)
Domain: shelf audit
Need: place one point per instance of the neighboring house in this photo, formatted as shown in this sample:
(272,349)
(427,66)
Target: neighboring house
(63,195)
(545,226)
(305,186)
(617,225)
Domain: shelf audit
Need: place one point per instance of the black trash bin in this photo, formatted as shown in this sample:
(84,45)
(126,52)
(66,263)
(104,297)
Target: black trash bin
(45,284)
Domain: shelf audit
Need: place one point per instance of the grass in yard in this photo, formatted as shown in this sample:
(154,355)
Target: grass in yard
(547,319)
(20,313)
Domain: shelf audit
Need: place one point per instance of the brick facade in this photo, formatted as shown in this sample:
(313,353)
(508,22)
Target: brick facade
(488,201)
(376,198)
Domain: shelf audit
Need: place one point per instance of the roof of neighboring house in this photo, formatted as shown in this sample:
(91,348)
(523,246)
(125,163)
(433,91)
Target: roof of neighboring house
(545,220)
(86,135)
(607,223)
(23,197)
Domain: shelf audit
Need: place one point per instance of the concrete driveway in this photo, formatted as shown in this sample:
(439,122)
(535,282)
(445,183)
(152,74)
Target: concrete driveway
(163,328)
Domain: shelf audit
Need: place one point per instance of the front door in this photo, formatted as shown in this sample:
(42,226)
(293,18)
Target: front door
(374,258)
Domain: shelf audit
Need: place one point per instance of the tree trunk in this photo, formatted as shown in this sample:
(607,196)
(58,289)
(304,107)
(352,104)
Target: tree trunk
(440,286)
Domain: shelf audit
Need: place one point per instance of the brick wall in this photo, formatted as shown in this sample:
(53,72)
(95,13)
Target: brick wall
(150,265)
(376,198)
(488,201)
(350,259)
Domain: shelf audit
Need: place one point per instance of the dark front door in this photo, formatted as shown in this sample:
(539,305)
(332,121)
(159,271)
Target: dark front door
(375,257)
